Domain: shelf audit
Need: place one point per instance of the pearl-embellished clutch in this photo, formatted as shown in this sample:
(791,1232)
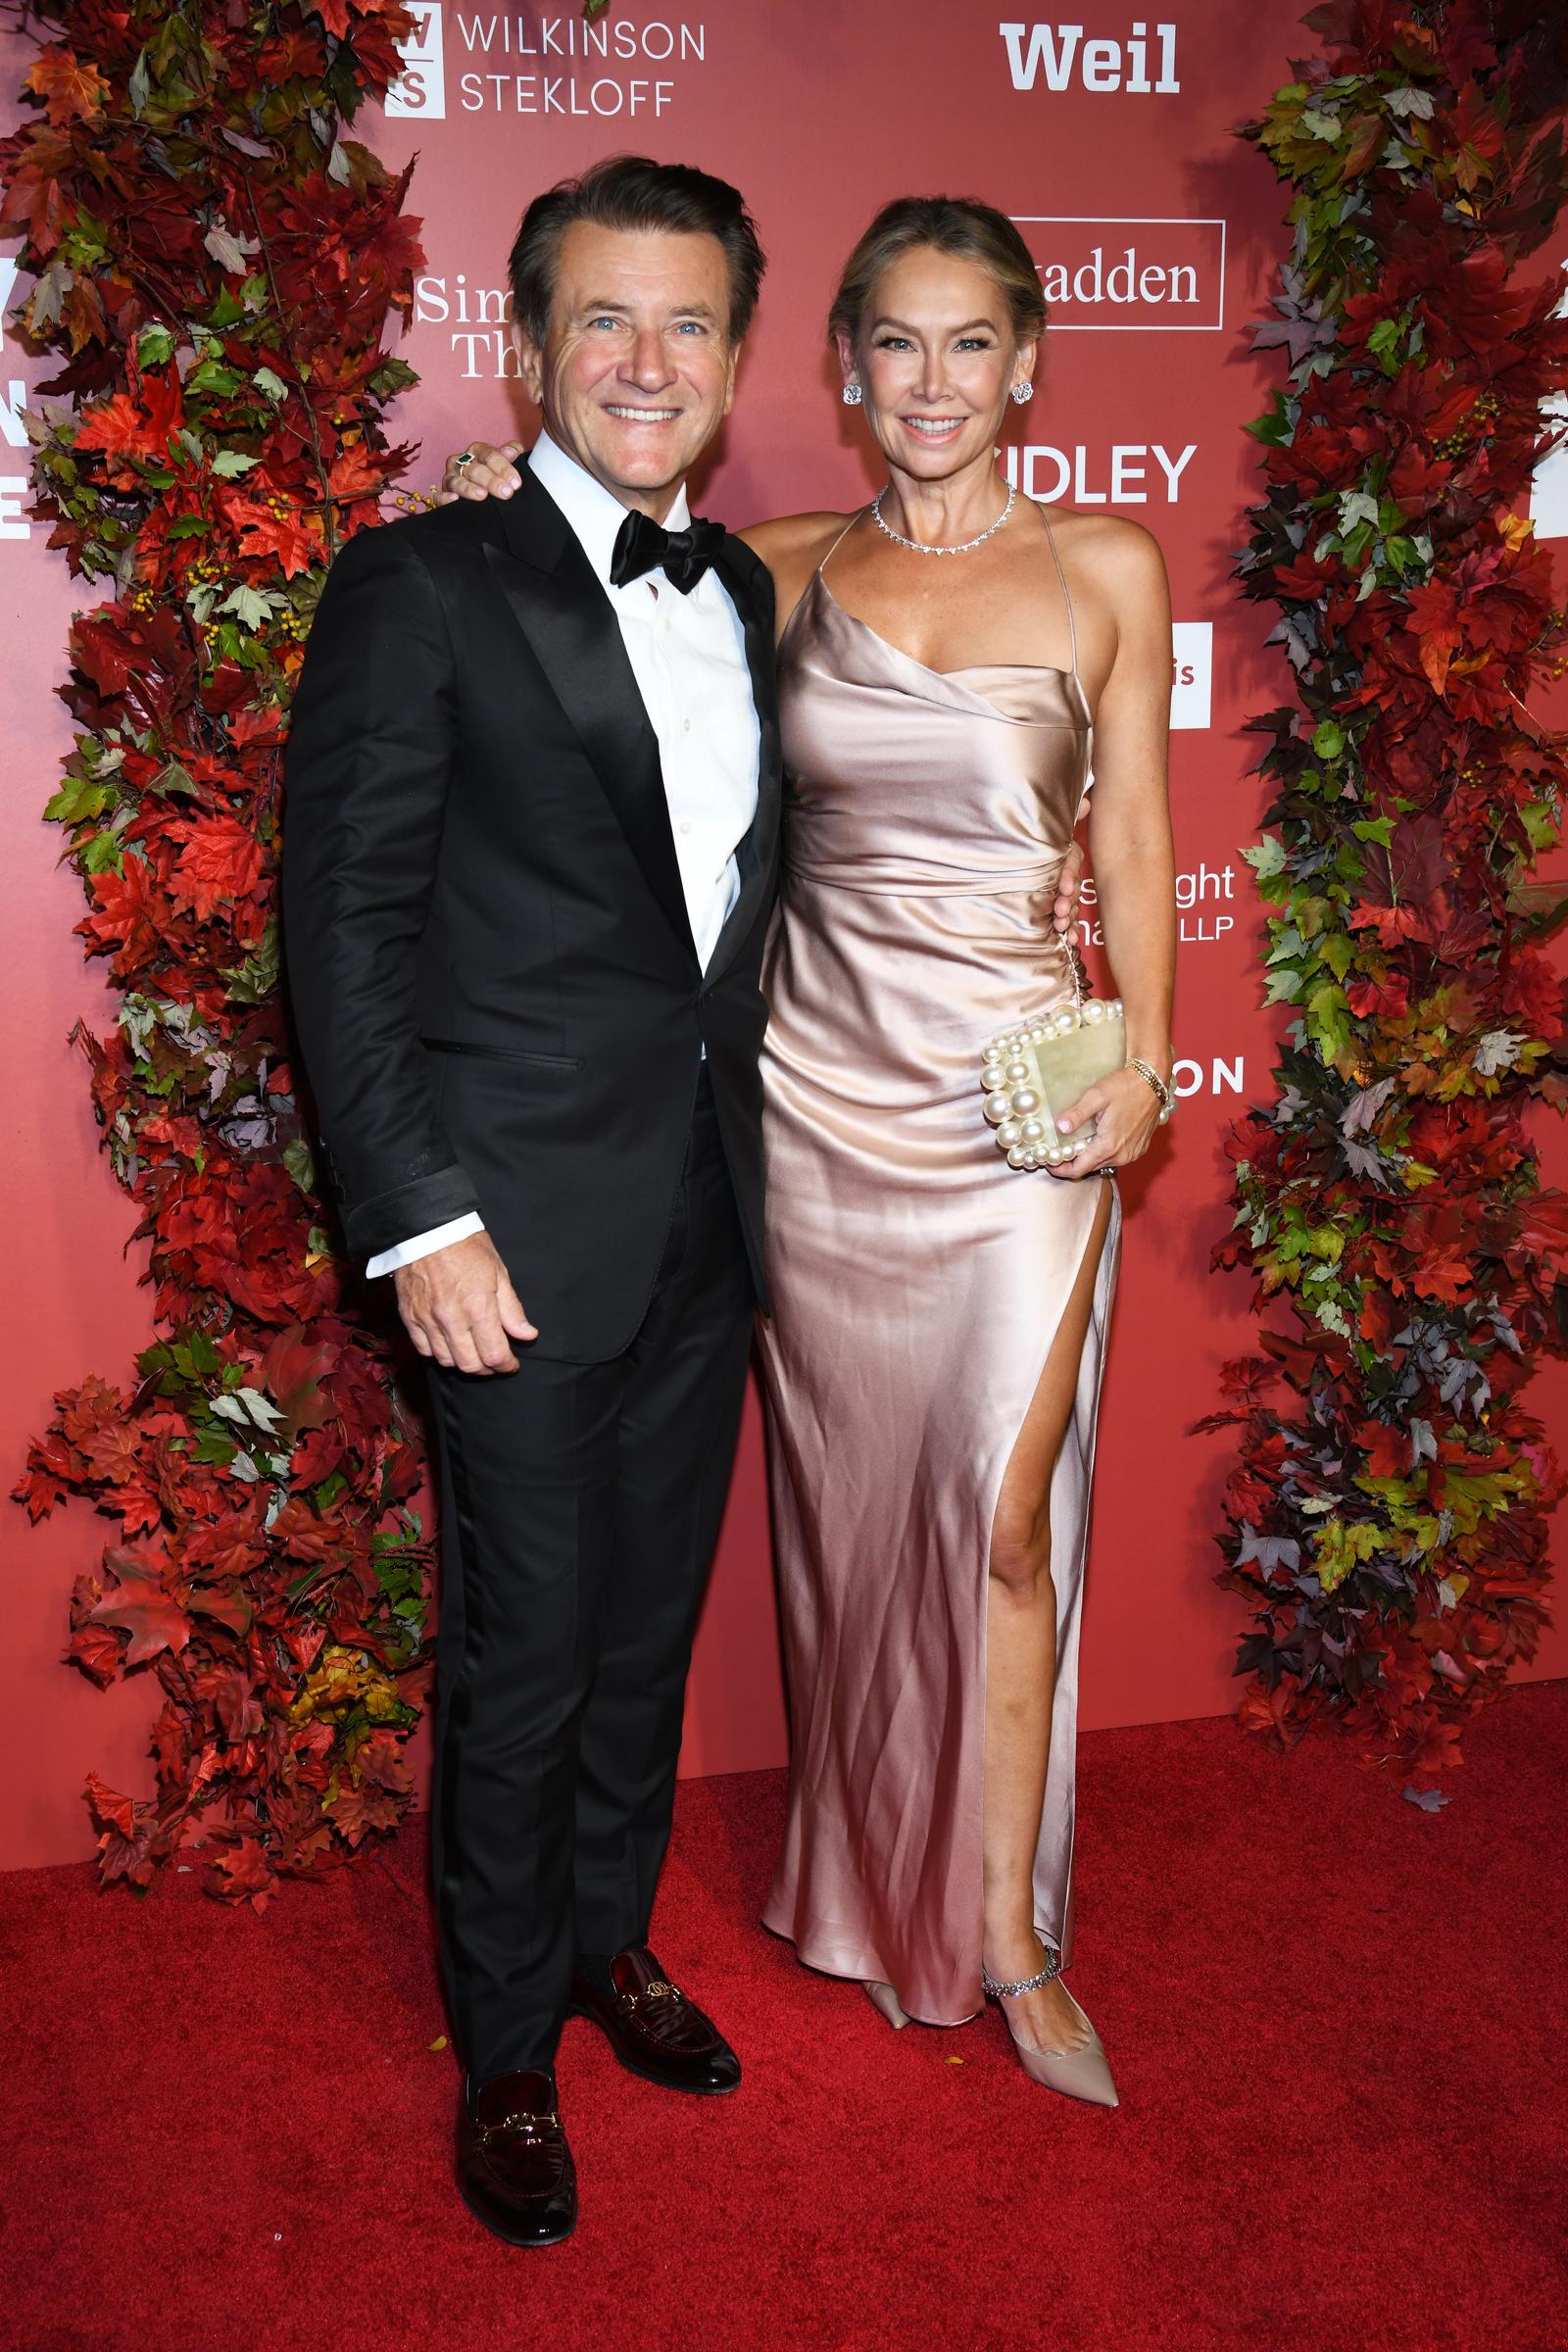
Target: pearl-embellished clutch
(1040,1067)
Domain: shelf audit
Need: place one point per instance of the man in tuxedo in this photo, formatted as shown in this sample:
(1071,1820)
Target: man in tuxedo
(532,819)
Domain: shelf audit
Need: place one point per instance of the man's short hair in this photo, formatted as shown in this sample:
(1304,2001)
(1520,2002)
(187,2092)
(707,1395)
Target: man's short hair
(629,191)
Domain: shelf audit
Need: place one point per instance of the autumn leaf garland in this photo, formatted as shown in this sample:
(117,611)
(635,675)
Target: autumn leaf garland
(214,260)
(1386,1513)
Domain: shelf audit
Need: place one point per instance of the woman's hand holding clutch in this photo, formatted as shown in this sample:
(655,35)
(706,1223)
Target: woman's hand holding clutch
(1124,1112)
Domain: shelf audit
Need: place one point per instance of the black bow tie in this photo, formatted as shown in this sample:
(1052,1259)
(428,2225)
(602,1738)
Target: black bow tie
(643,545)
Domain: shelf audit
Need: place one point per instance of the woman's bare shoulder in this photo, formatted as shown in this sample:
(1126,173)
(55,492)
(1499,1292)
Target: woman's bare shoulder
(1112,550)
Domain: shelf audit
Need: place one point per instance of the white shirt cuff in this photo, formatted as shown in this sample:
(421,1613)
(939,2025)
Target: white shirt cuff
(456,1229)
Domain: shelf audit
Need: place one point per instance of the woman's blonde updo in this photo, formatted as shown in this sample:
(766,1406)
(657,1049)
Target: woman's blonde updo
(957,224)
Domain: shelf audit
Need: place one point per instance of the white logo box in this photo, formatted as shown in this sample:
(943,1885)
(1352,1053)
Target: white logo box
(419,94)
(1191,673)
(1117,252)
(1548,492)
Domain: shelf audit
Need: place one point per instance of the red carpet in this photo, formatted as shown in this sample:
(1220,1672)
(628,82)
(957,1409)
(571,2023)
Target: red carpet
(1338,2024)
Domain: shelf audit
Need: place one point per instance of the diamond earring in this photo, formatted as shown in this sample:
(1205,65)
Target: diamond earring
(852,394)
(1023,392)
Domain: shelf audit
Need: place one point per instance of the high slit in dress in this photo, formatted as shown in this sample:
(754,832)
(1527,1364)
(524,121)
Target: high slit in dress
(918,1282)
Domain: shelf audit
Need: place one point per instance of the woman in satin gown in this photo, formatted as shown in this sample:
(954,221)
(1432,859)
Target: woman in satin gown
(932,1366)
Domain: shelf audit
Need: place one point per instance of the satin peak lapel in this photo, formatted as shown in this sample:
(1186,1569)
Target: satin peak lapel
(757,855)
(567,618)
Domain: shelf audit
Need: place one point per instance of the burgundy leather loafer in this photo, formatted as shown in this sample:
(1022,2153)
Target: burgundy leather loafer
(654,2030)
(515,2169)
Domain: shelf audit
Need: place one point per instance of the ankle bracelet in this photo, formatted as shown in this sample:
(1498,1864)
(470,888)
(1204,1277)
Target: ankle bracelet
(993,1988)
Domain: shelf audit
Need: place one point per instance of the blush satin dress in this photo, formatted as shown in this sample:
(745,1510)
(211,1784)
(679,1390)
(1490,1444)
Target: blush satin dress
(917,1280)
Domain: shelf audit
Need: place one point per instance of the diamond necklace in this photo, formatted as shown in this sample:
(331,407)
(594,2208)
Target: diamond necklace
(921,550)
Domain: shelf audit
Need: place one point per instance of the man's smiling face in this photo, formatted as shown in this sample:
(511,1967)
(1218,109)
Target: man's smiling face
(637,371)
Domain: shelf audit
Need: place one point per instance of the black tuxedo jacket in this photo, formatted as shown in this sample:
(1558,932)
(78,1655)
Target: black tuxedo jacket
(493,976)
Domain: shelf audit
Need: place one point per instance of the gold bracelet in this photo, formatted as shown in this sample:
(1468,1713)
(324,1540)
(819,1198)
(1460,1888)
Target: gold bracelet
(1151,1077)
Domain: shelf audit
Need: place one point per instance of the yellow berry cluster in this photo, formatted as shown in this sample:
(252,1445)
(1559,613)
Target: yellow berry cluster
(1483,409)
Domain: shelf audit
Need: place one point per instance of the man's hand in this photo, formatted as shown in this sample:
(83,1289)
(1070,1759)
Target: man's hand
(1069,882)
(489,473)
(459,1305)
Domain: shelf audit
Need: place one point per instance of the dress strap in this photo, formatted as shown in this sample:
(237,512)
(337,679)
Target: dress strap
(1066,592)
(844,534)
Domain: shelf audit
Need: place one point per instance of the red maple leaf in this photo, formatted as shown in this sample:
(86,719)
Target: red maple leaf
(220,862)
(243,1874)
(293,1369)
(278,531)
(71,93)
(123,427)
(128,907)
(140,1605)
(1386,1449)
(383,1760)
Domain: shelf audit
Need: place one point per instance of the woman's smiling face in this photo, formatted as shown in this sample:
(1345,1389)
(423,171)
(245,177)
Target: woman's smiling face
(936,358)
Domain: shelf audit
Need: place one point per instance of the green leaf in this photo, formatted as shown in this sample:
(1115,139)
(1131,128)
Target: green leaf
(253,607)
(300,1165)
(1268,857)
(272,385)
(1328,739)
(231,462)
(211,377)
(101,856)
(79,797)
(155,347)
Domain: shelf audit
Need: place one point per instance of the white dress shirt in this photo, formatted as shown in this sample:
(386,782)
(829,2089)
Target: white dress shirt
(688,657)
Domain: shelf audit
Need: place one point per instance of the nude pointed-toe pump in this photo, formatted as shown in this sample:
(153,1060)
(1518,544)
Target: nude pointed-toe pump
(886,2001)
(1081,2074)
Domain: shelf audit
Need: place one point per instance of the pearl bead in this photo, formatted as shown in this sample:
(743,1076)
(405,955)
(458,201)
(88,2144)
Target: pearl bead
(1031,1131)
(1063,1023)
(996,1107)
(1009,1133)
(1036,1034)
(1015,1157)
(1023,1100)
(1031,1159)
(1094,1009)
(1115,1009)
(1018,1071)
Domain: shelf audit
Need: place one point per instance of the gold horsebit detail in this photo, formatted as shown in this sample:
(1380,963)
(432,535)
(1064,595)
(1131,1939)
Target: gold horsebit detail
(530,2127)
(655,1989)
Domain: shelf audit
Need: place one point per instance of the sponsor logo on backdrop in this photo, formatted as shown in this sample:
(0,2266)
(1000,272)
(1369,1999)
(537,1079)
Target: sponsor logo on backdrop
(485,60)
(1548,492)
(476,318)
(421,88)
(1076,57)
(1192,672)
(14,523)
(1118,474)
(1203,898)
(1219,1075)
(1121,271)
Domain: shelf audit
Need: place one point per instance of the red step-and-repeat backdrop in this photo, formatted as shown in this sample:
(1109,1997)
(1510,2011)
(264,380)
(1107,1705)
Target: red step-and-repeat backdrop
(1158,233)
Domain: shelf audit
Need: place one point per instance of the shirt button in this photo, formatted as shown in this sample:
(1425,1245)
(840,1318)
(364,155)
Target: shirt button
(685,824)
(686,727)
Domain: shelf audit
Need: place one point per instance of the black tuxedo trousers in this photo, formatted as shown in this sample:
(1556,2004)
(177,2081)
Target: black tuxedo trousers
(501,1010)
(581,1506)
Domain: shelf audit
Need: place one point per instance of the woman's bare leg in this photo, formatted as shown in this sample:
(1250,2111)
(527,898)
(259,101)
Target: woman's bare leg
(1021,1669)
